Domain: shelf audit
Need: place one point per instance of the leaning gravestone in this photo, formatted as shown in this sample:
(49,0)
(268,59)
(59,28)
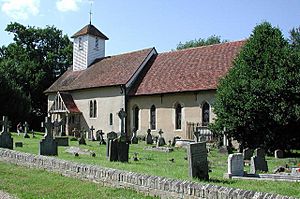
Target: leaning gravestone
(26,127)
(161,141)
(110,136)
(134,139)
(48,145)
(235,165)
(278,153)
(6,141)
(149,139)
(197,158)
(258,161)
(247,153)
(81,140)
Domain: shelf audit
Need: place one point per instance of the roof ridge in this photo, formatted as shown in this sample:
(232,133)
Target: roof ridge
(129,52)
(206,46)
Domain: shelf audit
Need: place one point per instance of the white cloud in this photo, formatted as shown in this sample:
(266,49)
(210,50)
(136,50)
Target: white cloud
(67,5)
(20,10)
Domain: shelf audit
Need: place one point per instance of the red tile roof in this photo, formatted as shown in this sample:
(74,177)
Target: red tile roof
(91,30)
(191,69)
(108,71)
(69,102)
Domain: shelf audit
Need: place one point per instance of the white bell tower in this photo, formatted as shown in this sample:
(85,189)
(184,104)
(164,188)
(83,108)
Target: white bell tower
(88,45)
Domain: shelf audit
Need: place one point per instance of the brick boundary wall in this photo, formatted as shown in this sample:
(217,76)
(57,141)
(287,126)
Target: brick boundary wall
(147,184)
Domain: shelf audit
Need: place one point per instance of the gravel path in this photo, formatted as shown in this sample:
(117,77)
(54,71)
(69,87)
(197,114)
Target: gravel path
(4,195)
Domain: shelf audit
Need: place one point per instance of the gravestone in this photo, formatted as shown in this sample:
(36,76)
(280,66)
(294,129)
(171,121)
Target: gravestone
(134,139)
(149,139)
(196,136)
(197,158)
(260,152)
(110,136)
(112,150)
(235,165)
(99,137)
(247,153)
(122,114)
(278,153)
(258,161)
(26,129)
(6,141)
(48,145)
(62,141)
(91,134)
(161,141)
(81,140)
(174,140)
(18,144)
(123,148)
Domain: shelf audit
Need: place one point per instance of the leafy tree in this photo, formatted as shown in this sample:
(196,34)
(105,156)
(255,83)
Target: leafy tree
(200,42)
(259,100)
(36,58)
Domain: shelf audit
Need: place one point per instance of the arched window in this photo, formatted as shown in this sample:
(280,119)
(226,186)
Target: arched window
(152,117)
(178,110)
(205,114)
(136,111)
(110,119)
(95,108)
(91,109)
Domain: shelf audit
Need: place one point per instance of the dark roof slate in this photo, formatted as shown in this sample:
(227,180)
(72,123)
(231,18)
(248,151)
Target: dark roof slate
(91,30)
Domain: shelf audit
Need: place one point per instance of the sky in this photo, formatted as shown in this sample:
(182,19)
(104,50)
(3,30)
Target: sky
(137,24)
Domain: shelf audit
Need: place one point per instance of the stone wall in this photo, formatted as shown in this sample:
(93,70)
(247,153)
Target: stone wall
(150,185)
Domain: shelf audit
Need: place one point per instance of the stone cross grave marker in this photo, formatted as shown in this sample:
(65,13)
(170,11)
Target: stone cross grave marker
(110,136)
(6,141)
(48,145)
(235,165)
(149,139)
(161,140)
(247,153)
(197,158)
(122,114)
(258,161)
(134,139)
(91,133)
(278,153)
(26,129)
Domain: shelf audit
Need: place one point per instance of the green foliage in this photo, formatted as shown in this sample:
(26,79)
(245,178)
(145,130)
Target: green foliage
(258,101)
(200,42)
(35,59)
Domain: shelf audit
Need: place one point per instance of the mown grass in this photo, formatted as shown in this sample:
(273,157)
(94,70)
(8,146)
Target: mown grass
(158,163)
(25,183)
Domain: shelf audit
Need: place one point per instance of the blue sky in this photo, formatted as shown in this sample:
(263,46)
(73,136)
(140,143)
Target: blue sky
(137,24)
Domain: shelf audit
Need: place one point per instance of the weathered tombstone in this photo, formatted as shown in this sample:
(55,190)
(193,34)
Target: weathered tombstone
(110,136)
(259,152)
(123,148)
(278,153)
(100,137)
(197,158)
(18,144)
(112,150)
(258,161)
(62,141)
(91,134)
(235,165)
(149,139)
(6,141)
(56,126)
(161,141)
(134,139)
(81,140)
(48,145)
(26,127)
(247,153)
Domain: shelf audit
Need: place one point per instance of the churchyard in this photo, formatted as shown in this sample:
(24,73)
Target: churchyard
(173,164)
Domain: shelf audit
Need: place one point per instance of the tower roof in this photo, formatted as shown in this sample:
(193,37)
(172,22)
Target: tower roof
(90,30)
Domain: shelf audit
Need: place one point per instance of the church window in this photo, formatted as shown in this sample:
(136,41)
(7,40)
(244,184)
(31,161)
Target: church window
(136,111)
(97,43)
(205,114)
(80,44)
(178,110)
(93,108)
(110,119)
(153,117)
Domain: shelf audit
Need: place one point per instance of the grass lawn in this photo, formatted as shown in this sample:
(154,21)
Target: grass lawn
(158,163)
(23,182)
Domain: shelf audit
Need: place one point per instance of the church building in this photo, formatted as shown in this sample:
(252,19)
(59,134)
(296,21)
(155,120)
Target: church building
(164,91)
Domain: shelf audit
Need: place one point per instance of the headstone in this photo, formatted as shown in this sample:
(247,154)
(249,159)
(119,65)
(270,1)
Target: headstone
(259,152)
(99,135)
(48,145)
(6,141)
(76,133)
(123,151)
(149,139)
(258,164)
(81,140)
(174,140)
(18,144)
(110,136)
(113,150)
(196,135)
(134,139)
(26,129)
(247,153)
(278,153)
(161,141)
(62,141)
(91,134)
(33,133)
(235,165)
(197,158)
(56,126)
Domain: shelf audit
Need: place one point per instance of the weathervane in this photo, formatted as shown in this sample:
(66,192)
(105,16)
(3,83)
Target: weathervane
(91,13)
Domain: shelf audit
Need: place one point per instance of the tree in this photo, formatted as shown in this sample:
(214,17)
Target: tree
(35,59)
(200,42)
(258,101)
